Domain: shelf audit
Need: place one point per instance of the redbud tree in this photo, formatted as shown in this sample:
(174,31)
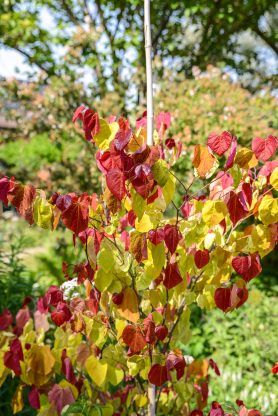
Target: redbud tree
(117,325)
(109,340)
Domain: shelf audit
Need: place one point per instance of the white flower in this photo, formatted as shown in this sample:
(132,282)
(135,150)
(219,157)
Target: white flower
(69,289)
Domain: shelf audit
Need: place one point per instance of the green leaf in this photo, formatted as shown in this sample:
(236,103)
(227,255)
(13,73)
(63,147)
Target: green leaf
(158,256)
(103,280)
(139,205)
(160,172)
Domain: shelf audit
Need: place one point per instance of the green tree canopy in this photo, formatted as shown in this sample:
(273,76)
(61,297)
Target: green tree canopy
(105,39)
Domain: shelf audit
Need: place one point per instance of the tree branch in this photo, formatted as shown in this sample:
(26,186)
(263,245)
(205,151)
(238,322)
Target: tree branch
(31,59)
(266,39)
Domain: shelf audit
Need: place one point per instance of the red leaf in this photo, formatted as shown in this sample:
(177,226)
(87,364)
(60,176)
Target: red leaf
(196,412)
(149,328)
(172,237)
(78,113)
(254,412)
(170,143)
(219,143)
(117,298)
(235,208)
(13,357)
(247,192)
(34,398)
(247,267)
(186,209)
(142,121)
(90,124)
(22,197)
(93,301)
(6,319)
(161,332)
(172,276)
(61,314)
(216,410)
(133,337)
(54,295)
(163,118)
(214,366)
(163,122)
(264,148)
(239,296)
(222,298)
(143,186)
(201,258)
(268,168)
(60,397)
(274,369)
(22,317)
(158,375)
(122,138)
(115,180)
(156,236)
(76,215)
(231,157)
(4,189)
(67,368)
(177,362)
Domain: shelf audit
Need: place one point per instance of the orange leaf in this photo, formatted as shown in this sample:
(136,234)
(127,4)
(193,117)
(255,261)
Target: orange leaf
(128,308)
(203,161)
(133,337)
(22,197)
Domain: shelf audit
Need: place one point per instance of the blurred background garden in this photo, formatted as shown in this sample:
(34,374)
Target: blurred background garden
(215,68)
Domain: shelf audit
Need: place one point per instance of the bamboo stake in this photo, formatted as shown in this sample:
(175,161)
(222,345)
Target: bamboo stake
(148,51)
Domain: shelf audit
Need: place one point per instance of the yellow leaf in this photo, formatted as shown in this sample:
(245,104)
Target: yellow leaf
(43,213)
(214,212)
(274,179)
(137,140)
(263,239)
(268,210)
(245,158)
(106,134)
(38,365)
(141,400)
(206,299)
(17,400)
(129,308)
(144,225)
(96,370)
(103,280)
(91,252)
(120,326)
(168,189)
